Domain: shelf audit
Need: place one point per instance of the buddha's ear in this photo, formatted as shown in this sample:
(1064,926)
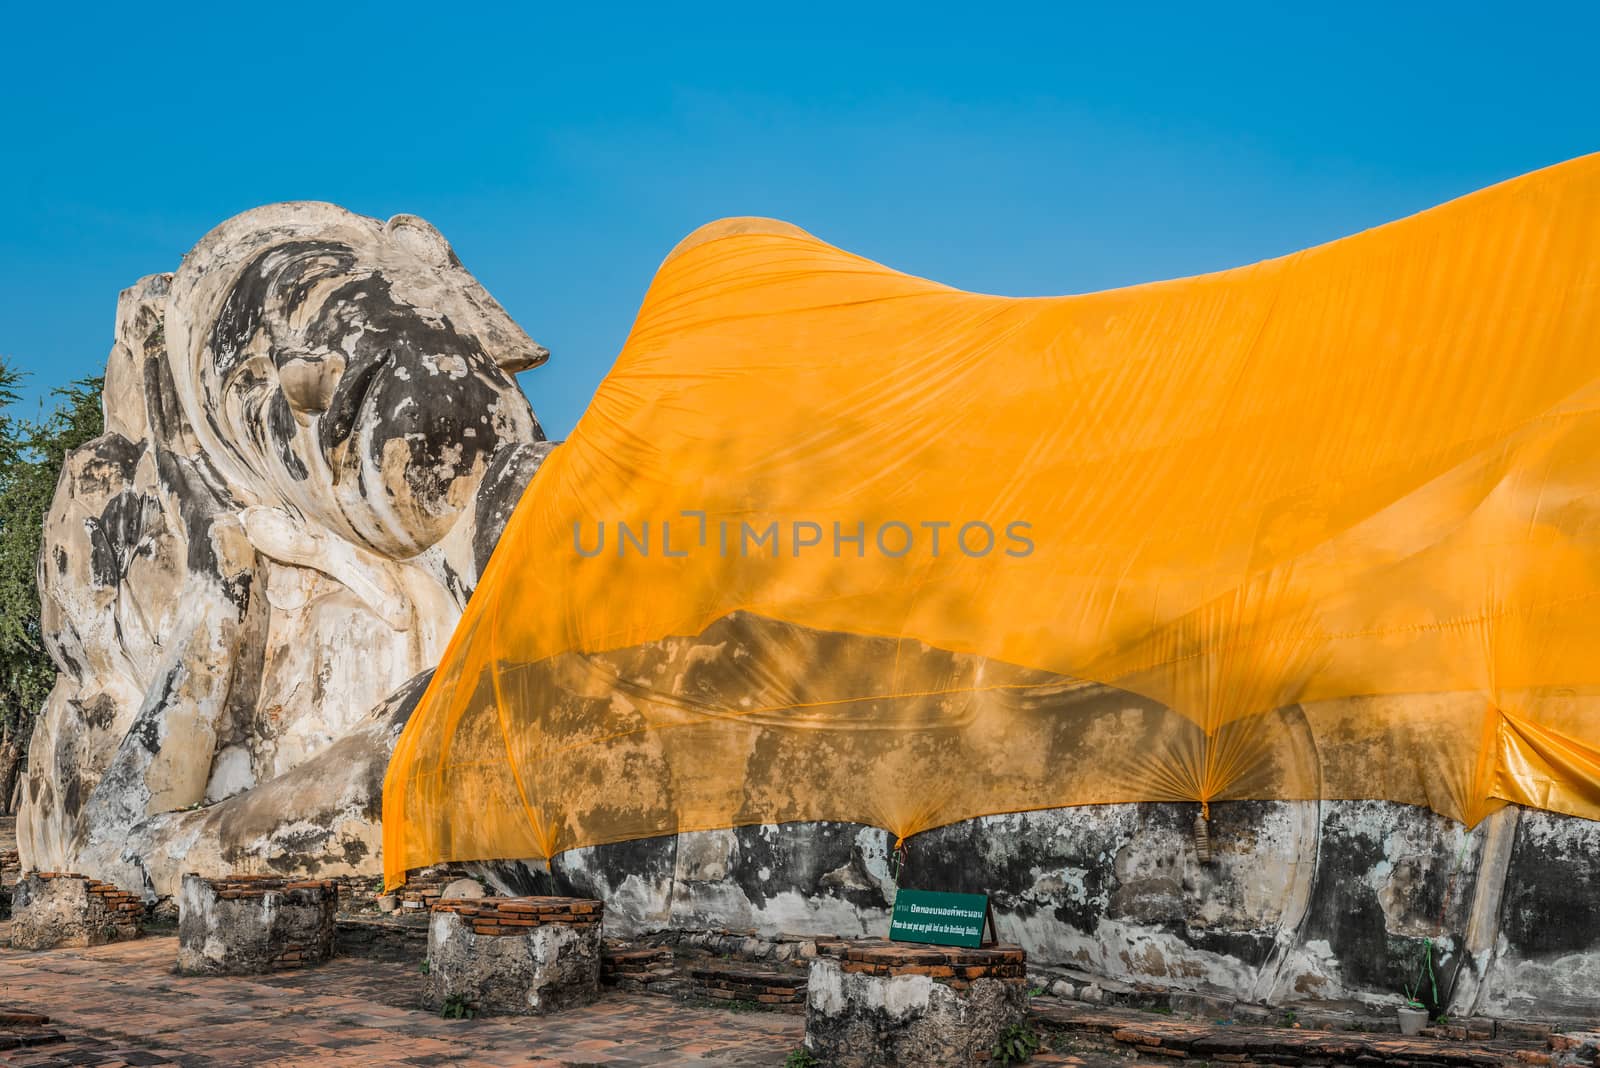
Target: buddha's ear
(418,237)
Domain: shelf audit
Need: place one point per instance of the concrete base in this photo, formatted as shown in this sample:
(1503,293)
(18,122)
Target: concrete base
(875,1004)
(60,909)
(250,924)
(519,955)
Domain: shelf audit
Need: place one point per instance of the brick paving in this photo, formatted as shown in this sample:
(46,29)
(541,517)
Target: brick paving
(123,1004)
(1201,1042)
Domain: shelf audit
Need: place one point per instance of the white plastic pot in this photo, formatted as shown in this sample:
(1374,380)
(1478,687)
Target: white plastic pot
(1412,1021)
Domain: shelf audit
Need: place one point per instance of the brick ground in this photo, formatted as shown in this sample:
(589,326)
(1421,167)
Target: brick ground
(122,1004)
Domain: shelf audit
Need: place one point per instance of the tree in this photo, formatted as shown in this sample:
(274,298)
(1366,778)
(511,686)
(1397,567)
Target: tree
(31,455)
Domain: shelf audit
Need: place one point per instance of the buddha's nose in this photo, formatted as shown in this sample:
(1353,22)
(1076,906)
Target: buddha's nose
(308,382)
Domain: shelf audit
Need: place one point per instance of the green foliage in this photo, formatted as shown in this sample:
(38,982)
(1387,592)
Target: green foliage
(1018,1043)
(457,1007)
(801,1058)
(31,455)
(1422,991)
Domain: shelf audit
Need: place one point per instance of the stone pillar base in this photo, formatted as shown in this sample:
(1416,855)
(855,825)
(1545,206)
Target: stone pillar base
(63,909)
(251,924)
(513,955)
(875,1003)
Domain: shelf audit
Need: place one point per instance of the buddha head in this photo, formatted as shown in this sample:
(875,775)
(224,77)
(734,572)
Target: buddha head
(348,371)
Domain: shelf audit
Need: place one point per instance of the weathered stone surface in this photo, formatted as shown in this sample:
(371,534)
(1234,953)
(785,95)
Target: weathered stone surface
(521,956)
(463,888)
(312,439)
(871,1017)
(54,909)
(251,925)
(1576,1048)
(1302,902)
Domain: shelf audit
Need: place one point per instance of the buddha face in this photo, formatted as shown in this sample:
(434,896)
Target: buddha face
(364,379)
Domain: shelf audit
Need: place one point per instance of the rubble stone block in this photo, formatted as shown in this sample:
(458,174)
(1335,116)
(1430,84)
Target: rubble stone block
(64,909)
(1575,1048)
(873,1004)
(513,955)
(250,924)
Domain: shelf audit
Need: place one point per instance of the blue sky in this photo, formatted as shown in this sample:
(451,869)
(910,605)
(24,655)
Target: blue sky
(1011,149)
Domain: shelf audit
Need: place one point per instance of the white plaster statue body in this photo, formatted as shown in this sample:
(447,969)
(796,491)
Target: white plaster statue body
(313,437)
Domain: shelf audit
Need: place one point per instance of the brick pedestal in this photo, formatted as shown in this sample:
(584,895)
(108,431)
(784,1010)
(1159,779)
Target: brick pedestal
(424,888)
(874,1003)
(62,909)
(513,955)
(250,924)
(635,969)
(780,988)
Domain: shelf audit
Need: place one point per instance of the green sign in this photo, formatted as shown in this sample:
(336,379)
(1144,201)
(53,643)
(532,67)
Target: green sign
(939,919)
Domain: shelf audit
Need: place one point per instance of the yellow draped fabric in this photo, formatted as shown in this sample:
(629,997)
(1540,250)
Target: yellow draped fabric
(1327,525)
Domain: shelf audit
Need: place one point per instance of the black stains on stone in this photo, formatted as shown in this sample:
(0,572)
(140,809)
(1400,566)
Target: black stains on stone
(602,869)
(119,534)
(393,714)
(102,568)
(99,713)
(509,474)
(199,508)
(530,878)
(355,851)
(813,859)
(1552,896)
(459,591)
(1022,877)
(281,425)
(1082,912)
(299,850)
(65,658)
(146,731)
(43,791)
(304,265)
(60,557)
(241,316)
(165,411)
(400,704)
(113,453)
(953,859)
(104,466)
(1345,910)
(1152,883)
(289,270)
(340,418)
(1249,946)
(72,798)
